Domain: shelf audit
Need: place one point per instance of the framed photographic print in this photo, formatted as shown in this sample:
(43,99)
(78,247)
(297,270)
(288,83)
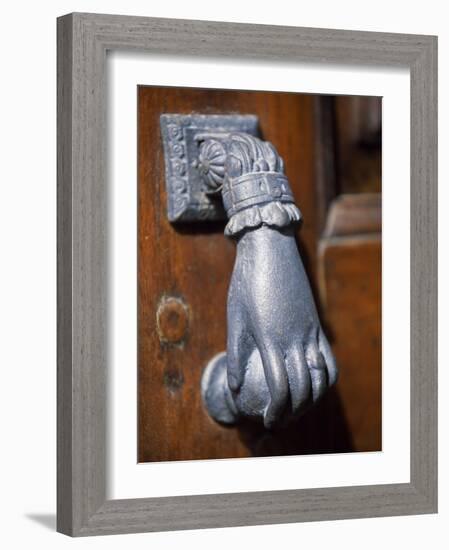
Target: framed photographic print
(246,274)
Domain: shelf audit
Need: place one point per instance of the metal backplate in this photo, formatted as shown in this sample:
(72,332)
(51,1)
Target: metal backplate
(187,199)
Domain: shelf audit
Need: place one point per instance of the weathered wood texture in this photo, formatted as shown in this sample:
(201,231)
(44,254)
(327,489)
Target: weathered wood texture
(193,263)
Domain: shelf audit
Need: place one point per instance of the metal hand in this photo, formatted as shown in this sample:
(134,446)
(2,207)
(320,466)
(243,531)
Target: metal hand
(273,326)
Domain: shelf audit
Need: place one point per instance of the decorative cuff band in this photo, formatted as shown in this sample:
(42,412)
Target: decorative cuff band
(274,214)
(253,189)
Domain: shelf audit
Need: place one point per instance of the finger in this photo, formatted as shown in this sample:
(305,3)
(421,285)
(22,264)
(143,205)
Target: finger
(329,358)
(277,381)
(236,361)
(298,377)
(238,350)
(317,370)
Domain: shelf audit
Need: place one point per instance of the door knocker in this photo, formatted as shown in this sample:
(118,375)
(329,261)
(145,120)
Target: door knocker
(278,360)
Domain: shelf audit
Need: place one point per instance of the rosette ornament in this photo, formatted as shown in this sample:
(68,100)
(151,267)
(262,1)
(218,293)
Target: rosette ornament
(211,160)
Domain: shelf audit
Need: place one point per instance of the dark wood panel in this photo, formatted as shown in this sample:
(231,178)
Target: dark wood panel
(187,270)
(350,282)
(358,129)
(354,215)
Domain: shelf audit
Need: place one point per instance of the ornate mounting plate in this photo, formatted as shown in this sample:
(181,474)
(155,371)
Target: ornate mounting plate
(187,197)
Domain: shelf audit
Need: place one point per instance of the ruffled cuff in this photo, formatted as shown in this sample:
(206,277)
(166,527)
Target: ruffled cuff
(273,214)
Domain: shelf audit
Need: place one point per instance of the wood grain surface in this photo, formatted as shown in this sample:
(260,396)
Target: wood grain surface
(192,263)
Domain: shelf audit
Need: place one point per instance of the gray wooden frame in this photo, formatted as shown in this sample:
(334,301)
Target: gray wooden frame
(83,40)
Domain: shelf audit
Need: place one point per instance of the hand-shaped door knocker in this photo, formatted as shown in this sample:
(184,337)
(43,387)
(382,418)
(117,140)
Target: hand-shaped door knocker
(278,360)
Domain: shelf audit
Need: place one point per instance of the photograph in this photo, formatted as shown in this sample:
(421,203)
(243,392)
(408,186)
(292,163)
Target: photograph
(259,273)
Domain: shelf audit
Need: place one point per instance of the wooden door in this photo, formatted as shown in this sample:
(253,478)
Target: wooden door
(184,272)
